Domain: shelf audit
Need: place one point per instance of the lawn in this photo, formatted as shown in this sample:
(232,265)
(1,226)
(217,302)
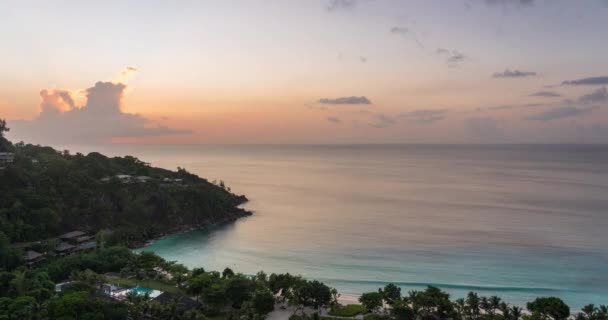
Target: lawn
(375,317)
(149,283)
(349,310)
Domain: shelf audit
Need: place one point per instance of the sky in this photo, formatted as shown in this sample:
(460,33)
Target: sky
(305,71)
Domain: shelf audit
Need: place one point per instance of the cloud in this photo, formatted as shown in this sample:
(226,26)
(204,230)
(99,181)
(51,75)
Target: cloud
(399,30)
(484,128)
(126,75)
(546,94)
(341,4)
(588,81)
(453,58)
(501,107)
(345,100)
(510,2)
(513,74)
(424,116)
(333,119)
(54,101)
(560,113)
(598,96)
(407,33)
(381,120)
(99,120)
(363,59)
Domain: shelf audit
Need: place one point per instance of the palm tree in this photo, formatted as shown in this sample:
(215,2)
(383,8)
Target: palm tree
(504,309)
(588,312)
(473,304)
(516,313)
(461,308)
(494,303)
(602,312)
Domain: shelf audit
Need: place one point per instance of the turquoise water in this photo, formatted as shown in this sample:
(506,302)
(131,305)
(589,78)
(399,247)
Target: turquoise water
(515,221)
(140,291)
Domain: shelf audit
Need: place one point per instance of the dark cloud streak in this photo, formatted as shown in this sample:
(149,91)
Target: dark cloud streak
(345,100)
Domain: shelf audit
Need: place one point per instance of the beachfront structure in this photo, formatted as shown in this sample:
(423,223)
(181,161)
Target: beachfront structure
(72,236)
(59,287)
(86,245)
(143,179)
(64,249)
(126,178)
(6,158)
(32,257)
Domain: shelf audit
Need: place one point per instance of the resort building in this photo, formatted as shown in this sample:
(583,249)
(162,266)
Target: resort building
(143,179)
(72,236)
(59,287)
(6,158)
(64,249)
(32,257)
(75,241)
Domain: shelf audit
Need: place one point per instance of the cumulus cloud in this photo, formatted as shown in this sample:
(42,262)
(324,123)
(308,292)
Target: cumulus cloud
(453,58)
(588,81)
(424,116)
(99,120)
(54,101)
(598,96)
(545,94)
(560,113)
(345,100)
(514,74)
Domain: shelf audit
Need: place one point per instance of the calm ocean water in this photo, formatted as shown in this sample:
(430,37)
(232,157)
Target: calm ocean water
(515,221)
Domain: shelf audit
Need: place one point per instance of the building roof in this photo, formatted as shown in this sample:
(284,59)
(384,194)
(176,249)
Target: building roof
(83,238)
(62,246)
(72,235)
(185,303)
(32,255)
(87,245)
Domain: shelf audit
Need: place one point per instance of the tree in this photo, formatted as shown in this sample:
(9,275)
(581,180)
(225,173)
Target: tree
(215,296)
(3,128)
(401,310)
(432,301)
(201,282)
(197,271)
(390,293)
(473,302)
(100,237)
(263,301)
(227,273)
(591,312)
(549,308)
(238,290)
(371,301)
(515,313)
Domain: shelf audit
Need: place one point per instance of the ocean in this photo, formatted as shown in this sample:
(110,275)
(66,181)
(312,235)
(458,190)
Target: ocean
(517,221)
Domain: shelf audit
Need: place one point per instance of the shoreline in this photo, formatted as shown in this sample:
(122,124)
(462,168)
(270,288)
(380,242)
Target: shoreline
(231,217)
